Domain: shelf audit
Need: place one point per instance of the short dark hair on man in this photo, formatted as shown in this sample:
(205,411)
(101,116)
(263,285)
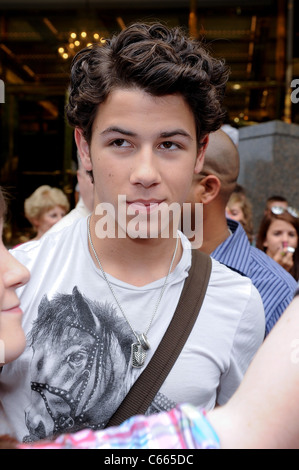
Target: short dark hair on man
(153,58)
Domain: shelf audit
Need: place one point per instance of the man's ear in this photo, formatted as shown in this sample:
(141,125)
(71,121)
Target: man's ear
(83,149)
(208,189)
(200,155)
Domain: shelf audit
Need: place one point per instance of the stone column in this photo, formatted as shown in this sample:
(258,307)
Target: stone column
(269,154)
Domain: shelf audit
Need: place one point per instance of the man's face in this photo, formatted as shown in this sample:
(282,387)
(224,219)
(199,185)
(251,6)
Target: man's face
(144,148)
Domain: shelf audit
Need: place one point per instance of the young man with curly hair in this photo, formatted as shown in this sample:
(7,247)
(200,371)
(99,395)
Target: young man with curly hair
(103,291)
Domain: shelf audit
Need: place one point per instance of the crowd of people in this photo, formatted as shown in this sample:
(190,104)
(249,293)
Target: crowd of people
(146,108)
(278,231)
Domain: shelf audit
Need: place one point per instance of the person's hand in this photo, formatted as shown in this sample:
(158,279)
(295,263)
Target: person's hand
(284,258)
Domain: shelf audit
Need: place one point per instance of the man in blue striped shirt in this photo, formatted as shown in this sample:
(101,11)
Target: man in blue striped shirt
(225,239)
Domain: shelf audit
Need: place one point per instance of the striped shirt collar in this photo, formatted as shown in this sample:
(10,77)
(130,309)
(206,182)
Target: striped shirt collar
(235,250)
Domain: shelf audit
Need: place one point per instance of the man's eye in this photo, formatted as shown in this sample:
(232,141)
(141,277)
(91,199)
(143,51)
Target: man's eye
(169,145)
(120,143)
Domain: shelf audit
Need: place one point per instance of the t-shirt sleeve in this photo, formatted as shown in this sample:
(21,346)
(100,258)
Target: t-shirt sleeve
(248,338)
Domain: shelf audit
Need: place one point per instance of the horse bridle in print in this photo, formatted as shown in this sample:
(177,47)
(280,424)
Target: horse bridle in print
(67,421)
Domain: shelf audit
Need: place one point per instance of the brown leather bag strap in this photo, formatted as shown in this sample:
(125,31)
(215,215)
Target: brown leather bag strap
(150,380)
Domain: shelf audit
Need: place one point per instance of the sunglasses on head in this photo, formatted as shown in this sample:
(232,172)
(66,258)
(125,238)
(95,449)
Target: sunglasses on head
(277,210)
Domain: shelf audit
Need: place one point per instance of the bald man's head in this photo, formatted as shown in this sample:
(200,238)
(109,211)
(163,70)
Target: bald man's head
(222,160)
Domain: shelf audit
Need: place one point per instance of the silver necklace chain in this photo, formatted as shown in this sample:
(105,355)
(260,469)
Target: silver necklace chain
(138,350)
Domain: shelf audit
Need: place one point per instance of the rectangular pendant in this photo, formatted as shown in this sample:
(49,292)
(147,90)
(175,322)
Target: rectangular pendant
(138,355)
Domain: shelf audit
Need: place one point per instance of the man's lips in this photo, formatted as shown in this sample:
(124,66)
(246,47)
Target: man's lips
(143,205)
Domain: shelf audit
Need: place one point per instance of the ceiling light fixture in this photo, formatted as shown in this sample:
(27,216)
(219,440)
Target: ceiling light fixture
(78,41)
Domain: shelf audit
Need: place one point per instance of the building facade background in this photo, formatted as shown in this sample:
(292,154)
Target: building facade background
(259,39)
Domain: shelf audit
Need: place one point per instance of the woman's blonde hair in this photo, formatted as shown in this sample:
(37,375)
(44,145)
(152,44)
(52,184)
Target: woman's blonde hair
(246,207)
(43,199)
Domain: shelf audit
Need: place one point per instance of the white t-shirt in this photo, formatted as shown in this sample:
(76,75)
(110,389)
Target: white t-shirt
(76,369)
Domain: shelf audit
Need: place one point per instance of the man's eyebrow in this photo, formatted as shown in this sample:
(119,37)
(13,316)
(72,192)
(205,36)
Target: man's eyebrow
(164,135)
(119,130)
(176,132)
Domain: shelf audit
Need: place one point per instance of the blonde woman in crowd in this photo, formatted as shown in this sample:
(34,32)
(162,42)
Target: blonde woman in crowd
(239,208)
(44,208)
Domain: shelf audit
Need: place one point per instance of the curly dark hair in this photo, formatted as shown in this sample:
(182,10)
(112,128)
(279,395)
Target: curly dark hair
(153,58)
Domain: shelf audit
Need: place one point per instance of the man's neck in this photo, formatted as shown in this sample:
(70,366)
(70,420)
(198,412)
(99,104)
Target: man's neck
(215,231)
(135,261)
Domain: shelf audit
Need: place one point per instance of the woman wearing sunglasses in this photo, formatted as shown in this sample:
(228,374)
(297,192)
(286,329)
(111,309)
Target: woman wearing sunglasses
(278,236)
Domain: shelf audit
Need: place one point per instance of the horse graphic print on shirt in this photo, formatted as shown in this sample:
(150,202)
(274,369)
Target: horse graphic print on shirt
(80,370)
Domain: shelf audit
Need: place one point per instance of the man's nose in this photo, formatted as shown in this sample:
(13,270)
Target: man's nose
(145,170)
